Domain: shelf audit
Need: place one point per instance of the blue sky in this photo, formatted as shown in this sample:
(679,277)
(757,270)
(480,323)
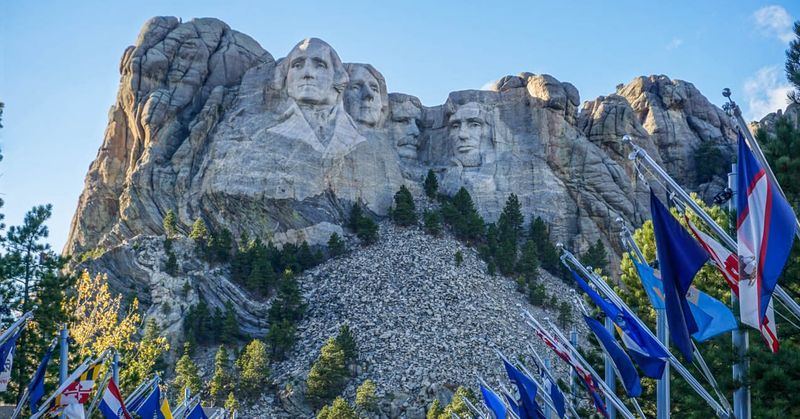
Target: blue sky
(59,61)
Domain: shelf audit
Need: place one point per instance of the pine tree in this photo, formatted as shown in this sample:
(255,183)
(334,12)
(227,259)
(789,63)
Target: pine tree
(366,399)
(254,365)
(327,376)
(347,343)
(459,258)
(145,358)
(367,231)
(404,213)
(462,216)
(171,265)
(336,246)
(281,338)
(434,410)
(230,326)
(546,250)
(221,381)
(511,220)
(431,184)
(170,224)
(220,246)
(306,257)
(201,238)
(231,404)
(528,264)
(339,409)
(793,64)
(564,314)
(186,376)
(457,406)
(433,222)
(355,216)
(596,257)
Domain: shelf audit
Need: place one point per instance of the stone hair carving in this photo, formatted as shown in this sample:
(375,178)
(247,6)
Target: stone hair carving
(470,131)
(312,73)
(366,98)
(405,119)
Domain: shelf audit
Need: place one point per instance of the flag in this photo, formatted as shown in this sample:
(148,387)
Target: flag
(555,394)
(7,358)
(679,259)
(198,413)
(623,365)
(586,377)
(73,411)
(165,413)
(527,391)
(492,401)
(133,402)
(78,391)
(112,406)
(728,265)
(765,230)
(645,350)
(513,404)
(36,386)
(150,406)
(712,316)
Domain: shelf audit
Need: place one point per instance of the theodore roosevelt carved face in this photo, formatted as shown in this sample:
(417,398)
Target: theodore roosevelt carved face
(405,118)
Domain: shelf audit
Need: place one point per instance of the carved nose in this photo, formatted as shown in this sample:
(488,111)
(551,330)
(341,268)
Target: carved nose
(366,94)
(413,131)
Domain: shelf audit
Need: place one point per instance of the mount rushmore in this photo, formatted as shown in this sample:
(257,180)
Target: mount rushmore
(208,124)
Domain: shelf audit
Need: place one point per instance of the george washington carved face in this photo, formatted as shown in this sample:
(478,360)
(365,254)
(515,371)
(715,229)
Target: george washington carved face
(314,73)
(468,127)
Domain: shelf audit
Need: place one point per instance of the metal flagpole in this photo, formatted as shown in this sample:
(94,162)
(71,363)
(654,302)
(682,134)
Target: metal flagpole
(115,367)
(573,375)
(546,364)
(14,326)
(474,410)
(70,379)
(64,355)
(640,153)
(508,408)
(739,337)
(608,365)
(600,284)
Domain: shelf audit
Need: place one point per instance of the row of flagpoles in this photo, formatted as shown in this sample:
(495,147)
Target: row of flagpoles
(751,264)
(80,393)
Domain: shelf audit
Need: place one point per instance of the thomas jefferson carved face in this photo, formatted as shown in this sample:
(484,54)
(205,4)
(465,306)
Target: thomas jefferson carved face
(468,128)
(404,127)
(310,73)
(362,99)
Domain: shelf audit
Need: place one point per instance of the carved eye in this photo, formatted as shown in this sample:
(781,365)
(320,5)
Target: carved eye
(474,124)
(297,64)
(455,125)
(322,64)
(355,87)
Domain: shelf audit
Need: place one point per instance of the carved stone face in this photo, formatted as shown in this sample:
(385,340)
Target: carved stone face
(362,99)
(310,75)
(467,129)
(404,128)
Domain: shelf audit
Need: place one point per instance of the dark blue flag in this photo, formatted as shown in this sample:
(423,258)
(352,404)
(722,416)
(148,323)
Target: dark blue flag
(494,403)
(198,413)
(513,404)
(624,366)
(36,386)
(149,408)
(648,354)
(679,259)
(527,390)
(555,394)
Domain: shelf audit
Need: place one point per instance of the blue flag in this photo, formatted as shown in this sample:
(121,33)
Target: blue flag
(198,413)
(646,352)
(493,402)
(712,316)
(624,367)
(527,390)
(36,386)
(513,404)
(7,358)
(555,394)
(149,407)
(679,259)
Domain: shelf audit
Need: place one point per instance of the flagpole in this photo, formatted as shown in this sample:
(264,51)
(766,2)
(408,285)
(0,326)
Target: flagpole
(99,394)
(64,355)
(612,396)
(509,412)
(608,365)
(718,408)
(26,394)
(546,366)
(14,326)
(78,371)
(639,153)
(739,337)
(545,397)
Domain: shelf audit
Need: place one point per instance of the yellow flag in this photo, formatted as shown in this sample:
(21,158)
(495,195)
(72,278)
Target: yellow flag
(165,410)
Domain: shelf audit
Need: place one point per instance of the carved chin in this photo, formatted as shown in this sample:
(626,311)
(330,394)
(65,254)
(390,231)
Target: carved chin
(470,158)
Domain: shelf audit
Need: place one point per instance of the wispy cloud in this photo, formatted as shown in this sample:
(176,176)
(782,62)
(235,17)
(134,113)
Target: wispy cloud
(774,21)
(674,43)
(766,92)
(489,85)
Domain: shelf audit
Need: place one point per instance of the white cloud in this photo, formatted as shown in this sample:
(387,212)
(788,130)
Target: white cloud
(775,21)
(489,85)
(674,43)
(766,92)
